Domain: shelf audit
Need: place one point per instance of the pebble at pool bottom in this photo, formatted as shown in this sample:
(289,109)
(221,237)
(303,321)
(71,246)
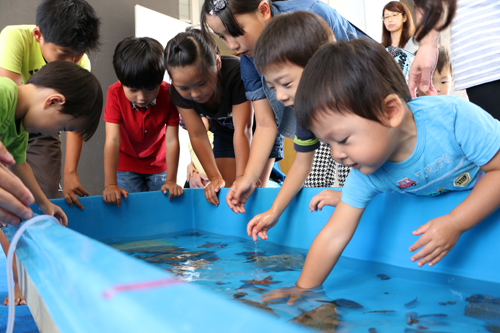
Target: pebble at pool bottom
(357,297)
(24,322)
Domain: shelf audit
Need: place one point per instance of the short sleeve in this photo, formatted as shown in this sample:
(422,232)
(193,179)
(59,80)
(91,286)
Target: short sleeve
(11,50)
(304,140)
(476,131)
(358,190)
(251,79)
(173,118)
(112,113)
(19,147)
(237,87)
(340,26)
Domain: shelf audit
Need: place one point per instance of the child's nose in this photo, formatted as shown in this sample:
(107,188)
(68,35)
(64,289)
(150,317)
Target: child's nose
(337,153)
(233,44)
(281,96)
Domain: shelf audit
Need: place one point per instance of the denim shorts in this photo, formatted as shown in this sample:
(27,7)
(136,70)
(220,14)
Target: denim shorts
(224,145)
(140,182)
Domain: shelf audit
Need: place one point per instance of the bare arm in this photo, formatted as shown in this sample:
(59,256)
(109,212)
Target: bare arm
(112,193)
(243,121)
(172,152)
(72,186)
(300,169)
(16,77)
(440,235)
(329,245)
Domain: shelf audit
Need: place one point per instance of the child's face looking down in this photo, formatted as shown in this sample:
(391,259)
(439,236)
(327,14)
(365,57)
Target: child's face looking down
(252,25)
(354,141)
(52,52)
(191,85)
(141,97)
(284,80)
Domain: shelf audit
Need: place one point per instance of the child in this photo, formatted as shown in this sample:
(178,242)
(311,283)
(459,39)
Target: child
(64,30)
(142,137)
(239,24)
(282,51)
(366,114)
(61,96)
(208,85)
(442,78)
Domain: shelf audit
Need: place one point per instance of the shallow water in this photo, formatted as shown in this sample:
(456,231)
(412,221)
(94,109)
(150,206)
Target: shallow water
(388,295)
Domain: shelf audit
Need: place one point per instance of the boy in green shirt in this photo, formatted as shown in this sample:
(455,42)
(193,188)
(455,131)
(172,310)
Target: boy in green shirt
(61,96)
(64,30)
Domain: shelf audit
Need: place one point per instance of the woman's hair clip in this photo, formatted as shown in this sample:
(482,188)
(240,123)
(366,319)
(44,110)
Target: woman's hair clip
(217,6)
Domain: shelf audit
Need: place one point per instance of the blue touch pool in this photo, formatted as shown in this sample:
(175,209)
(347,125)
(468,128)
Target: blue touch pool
(75,283)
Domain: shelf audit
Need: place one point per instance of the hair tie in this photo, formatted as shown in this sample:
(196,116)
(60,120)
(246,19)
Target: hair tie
(217,6)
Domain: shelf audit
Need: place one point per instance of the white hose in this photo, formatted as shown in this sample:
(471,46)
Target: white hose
(10,257)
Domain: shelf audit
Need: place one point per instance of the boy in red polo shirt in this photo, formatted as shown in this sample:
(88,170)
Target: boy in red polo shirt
(141,124)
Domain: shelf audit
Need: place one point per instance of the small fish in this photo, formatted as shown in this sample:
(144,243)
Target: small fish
(451,302)
(372,330)
(207,245)
(422,327)
(222,246)
(379,311)
(193,234)
(219,283)
(433,315)
(411,304)
(250,254)
(265,282)
(383,276)
(344,303)
(239,295)
(323,318)
(412,318)
(442,303)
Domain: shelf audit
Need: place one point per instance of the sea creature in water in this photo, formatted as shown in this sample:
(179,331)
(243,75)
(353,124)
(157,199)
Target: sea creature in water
(250,255)
(411,304)
(442,303)
(193,234)
(239,294)
(132,246)
(222,246)
(221,283)
(451,302)
(372,330)
(280,262)
(344,303)
(156,249)
(379,311)
(258,305)
(323,318)
(207,245)
(264,282)
(412,318)
(383,276)
(175,256)
(433,315)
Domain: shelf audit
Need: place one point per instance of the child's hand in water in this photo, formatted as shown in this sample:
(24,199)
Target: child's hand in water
(260,224)
(324,198)
(212,188)
(293,294)
(113,195)
(173,189)
(439,236)
(239,193)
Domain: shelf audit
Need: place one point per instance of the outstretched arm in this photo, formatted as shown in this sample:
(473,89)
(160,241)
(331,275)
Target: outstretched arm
(262,144)
(112,194)
(172,148)
(72,186)
(439,235)
(260,224)
(243,121)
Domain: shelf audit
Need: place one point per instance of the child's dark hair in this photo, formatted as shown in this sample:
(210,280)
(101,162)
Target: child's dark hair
(80,88)
(408,27)
(190,48)
(434,12)
(69,23)
(443,59)
(349,77)
(138,62)
(291,37)
(225,10)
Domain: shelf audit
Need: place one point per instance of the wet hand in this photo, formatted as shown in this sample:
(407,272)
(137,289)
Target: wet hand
(113,195)
(290,294)
(439,236)
(239,193)
(72,188)
(324,198)
(260,224)
(212,188)
(173,189)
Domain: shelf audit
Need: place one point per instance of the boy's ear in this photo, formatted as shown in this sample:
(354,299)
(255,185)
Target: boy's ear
(394,110)
(218,62)
(37,34)
(265,10)
(54,100)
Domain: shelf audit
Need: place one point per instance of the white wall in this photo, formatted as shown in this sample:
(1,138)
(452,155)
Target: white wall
(149,23)
(365,14)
